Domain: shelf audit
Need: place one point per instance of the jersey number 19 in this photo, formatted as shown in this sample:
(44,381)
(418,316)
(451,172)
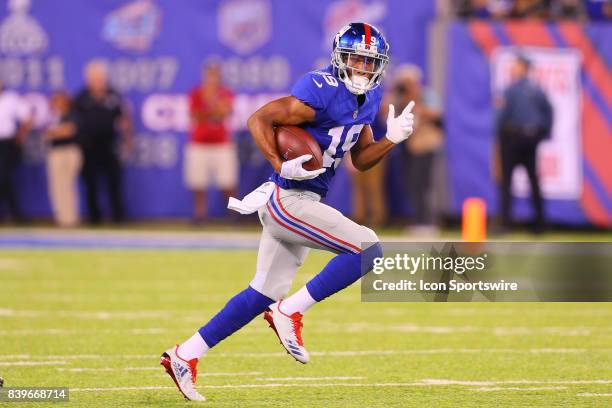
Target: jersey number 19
(333,155)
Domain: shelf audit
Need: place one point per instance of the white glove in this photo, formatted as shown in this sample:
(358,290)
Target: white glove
(293,170)
(398,129)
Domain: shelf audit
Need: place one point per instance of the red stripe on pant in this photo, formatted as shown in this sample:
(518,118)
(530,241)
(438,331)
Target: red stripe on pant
(279,222)
(305,224)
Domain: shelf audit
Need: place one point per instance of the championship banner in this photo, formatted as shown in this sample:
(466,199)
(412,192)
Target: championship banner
(155,50)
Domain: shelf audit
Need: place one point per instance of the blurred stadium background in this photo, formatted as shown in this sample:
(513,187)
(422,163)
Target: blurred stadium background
(96,320)
(155,50)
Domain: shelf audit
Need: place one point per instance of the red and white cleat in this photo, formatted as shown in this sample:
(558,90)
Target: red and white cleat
(183,373)
(288,328)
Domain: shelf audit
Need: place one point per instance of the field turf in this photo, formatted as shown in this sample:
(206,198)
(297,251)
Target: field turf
(97,320)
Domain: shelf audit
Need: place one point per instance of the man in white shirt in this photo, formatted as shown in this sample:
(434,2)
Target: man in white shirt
(14,127)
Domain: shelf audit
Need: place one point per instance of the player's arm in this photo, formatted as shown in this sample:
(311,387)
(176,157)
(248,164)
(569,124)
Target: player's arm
(284,111)
(366,152)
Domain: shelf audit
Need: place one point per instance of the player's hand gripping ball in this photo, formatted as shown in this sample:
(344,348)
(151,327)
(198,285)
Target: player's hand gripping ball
(301,152)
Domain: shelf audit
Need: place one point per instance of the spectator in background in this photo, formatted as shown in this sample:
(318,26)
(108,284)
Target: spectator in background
(63,161)
(421,148)
(210,155)
(524,120)
(101,117)
(15,125)
(483,8)
(369,195)
(599,10)
(567,9)
(530,9)
(555,9)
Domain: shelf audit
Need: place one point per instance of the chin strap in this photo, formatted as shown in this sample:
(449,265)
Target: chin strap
(349,85)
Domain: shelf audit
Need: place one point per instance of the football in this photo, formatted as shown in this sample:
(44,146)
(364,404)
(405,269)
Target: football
(293,141)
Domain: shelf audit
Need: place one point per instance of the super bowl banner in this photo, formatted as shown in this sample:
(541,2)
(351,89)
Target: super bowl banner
(571,62)
(155,50)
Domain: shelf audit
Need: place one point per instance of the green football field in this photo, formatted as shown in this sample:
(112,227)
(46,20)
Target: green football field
(96,321)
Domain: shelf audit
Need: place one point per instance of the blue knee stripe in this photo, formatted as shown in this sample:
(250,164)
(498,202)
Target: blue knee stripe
(368,255)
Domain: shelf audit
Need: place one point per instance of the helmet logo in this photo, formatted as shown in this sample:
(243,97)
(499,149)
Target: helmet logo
(368,48)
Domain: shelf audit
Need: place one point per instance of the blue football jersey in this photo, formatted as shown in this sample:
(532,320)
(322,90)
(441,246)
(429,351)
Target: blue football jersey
(337,125)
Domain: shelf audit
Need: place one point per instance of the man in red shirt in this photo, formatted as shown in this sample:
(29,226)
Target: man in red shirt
(210,156)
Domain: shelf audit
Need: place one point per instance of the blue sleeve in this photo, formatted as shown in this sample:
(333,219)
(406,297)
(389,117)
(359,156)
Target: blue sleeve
(376,101)
(313,91)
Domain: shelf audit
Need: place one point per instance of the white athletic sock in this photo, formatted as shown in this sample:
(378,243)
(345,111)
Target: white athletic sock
(300,301)
(194,347)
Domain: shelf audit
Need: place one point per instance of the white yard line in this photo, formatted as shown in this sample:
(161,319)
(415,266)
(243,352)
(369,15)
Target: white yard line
(354,353)
(594,394)
(492,389)
(561,331)
(121,389)
(153,368)
(497,331)
(156,313)
(80,233)
(29,363)
(247,374)
(444,351)
(269,385)
(99,369)
(320,385)
(324,328)
(98,315)
(309,378)
(68,357)
(490,383)
(62,331)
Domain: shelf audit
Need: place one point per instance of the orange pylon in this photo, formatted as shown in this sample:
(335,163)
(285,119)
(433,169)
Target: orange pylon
(474,220)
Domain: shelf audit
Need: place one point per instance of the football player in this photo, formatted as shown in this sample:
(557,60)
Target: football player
(336,105)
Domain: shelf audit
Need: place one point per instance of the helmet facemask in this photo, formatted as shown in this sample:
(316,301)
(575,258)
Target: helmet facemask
(361,70)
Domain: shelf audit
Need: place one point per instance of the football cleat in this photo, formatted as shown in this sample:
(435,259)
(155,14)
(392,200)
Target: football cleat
(183,373)
(288,328)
